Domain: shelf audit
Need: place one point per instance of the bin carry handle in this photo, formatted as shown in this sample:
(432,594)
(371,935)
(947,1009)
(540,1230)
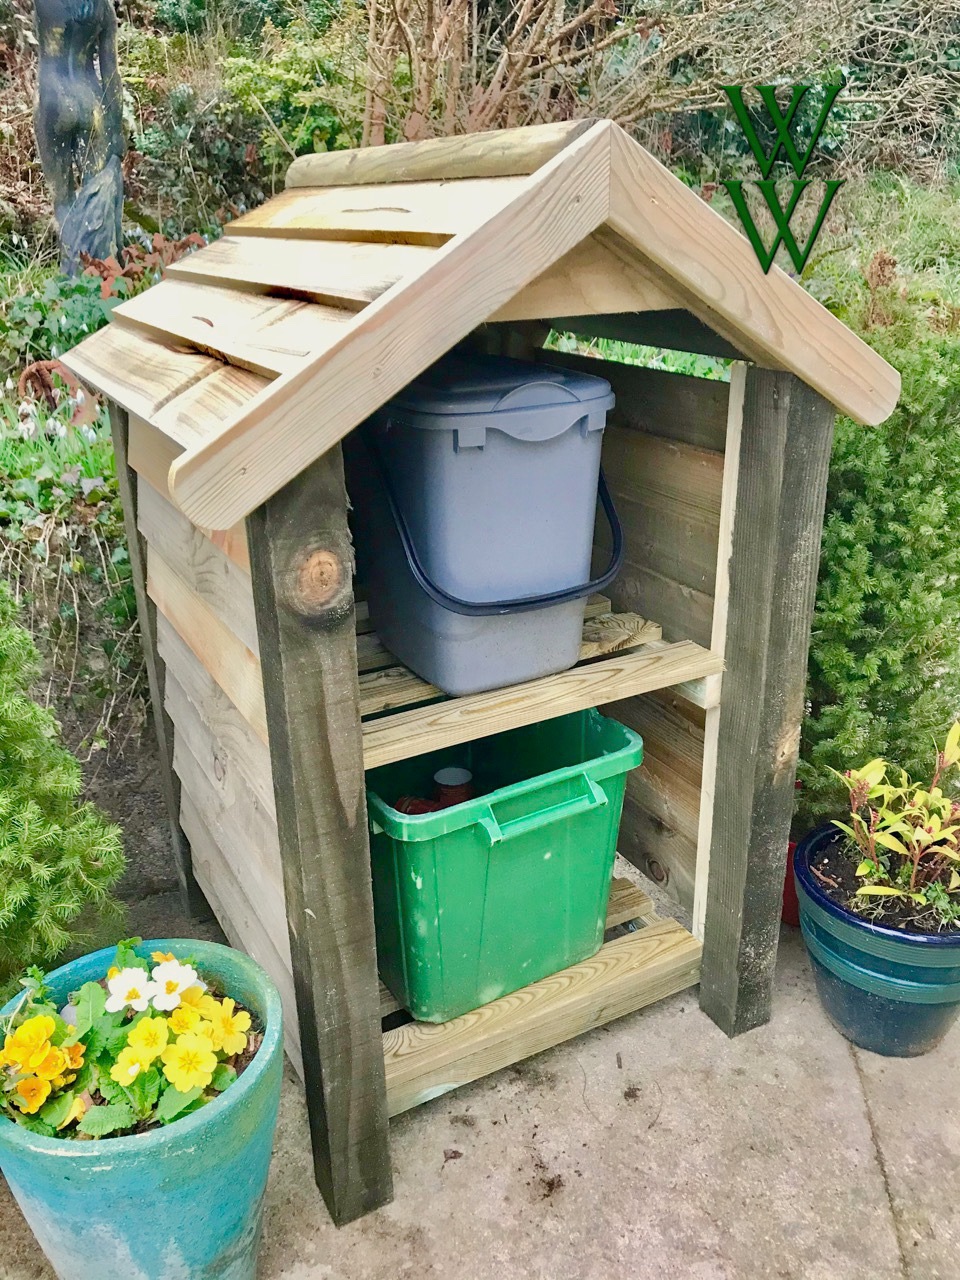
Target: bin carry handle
(492,608)
(496,832)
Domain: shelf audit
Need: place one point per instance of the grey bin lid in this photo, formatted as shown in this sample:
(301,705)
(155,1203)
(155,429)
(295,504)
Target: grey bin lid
(460,385)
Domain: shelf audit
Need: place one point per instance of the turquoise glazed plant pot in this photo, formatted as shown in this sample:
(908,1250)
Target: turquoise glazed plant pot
(888,991)
(182,1202)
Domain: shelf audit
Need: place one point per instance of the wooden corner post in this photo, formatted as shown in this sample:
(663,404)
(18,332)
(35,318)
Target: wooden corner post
(301,561)
(195,903)
(783,457)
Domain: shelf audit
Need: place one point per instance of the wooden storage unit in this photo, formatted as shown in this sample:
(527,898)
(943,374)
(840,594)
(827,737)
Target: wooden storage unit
(231,385)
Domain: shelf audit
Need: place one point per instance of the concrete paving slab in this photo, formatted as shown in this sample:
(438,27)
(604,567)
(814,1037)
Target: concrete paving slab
(653,1147)
(915,1116)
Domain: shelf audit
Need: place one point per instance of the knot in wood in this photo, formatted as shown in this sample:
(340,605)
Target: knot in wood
(314,583)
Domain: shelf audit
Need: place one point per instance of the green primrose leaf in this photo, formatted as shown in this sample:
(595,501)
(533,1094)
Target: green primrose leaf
(173,1103)
(98,1122)
(223,1077)
(57,1109)
(144,1091)
(89,1004)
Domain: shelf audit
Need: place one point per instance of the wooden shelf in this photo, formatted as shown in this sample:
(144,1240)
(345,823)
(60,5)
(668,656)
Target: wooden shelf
(621,655)
(424,1060)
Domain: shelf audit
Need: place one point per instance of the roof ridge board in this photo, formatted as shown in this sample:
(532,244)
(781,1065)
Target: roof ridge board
(302,415)
(497,153)
(770,317)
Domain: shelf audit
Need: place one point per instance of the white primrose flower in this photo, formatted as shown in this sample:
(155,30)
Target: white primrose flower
(170,978)
(129,987)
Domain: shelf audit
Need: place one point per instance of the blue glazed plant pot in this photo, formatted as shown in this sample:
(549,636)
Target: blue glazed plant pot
(891,992)
(182,1202)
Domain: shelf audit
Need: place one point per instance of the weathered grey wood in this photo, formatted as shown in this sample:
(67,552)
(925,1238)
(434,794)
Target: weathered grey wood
(301,563)
(196,904)
(786,436)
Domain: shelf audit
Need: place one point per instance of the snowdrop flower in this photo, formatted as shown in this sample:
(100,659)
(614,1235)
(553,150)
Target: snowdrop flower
(170,979)
(89,435)
(129,987)
(9,384)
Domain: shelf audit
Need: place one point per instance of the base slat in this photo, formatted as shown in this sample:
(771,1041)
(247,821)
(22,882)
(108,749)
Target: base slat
(424,1061)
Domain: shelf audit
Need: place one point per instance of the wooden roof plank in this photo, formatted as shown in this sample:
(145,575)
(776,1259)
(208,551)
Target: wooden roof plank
(768,317)
(264,334)
(134,370)
(302,415)
(499,153)
(336,272)
(426,213)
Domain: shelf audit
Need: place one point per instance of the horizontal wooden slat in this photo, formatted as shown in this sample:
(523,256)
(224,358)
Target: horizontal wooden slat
(134,371)
(231,325)
(500,153)
(212,727)
(342,274)
(675,405)
(681,610)
(151,452)
(204,567)
(195,414)
(410,733)
(410,212)
(241,921)
(424,1061)
(381,690)
(228,660)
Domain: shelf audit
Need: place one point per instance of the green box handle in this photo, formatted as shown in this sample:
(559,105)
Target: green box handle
(496,832)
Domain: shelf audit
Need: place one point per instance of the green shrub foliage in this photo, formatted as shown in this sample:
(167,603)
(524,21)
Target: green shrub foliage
(56,855)
(884,674)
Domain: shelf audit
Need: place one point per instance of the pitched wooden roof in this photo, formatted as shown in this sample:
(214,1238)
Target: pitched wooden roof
(260,352)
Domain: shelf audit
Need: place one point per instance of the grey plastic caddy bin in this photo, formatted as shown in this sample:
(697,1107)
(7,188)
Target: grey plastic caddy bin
(476,500)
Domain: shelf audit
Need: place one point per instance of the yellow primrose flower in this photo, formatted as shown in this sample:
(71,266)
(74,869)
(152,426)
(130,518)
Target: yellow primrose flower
(193,995)
(75,1054)
(149,1038)
(127,1067)
(229,1028)
(52,1064)
(29,1039)
(189,1062)
(33,1094)
(158,957)
(77,1111)
(186,1017)
(112,971)
(209,1007)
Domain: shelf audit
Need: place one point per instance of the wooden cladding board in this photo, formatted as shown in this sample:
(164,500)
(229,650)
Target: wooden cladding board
(663,457)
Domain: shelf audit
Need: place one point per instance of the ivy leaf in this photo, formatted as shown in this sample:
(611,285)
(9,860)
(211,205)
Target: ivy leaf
(98,1122)
(223,1076)
(173,1103)
(89,1004)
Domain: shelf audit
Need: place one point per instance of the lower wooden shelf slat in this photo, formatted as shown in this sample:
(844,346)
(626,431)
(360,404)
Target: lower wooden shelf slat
(424,1060)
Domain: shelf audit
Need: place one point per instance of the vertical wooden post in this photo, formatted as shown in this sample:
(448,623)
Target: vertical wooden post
(195,903)
(301,561)
(784,456)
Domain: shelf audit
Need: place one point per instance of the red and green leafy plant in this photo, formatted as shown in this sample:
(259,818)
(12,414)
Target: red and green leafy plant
(905,837)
